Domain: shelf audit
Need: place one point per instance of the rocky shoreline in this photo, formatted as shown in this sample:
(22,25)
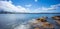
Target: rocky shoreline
(42,23)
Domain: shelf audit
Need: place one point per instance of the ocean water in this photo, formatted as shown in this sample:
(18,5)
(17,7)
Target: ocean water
(16,21)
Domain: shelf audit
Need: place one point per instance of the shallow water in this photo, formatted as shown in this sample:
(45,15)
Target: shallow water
(11,21)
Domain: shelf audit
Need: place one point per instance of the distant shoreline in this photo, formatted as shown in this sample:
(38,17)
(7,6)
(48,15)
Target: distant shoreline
(29,13)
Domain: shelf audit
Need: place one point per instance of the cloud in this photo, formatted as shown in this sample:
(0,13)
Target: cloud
(36,0)
(28,5)
(52,8)
(8,6)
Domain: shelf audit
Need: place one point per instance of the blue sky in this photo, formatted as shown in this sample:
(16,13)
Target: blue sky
(36,4)
(33,6)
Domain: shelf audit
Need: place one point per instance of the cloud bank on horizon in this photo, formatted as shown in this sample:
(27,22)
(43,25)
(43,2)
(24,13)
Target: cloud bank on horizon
(9,6)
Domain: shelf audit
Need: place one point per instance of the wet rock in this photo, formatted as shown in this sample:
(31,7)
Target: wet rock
(41,20)
(42,23)
(56,17)
(37,28)
(48,25)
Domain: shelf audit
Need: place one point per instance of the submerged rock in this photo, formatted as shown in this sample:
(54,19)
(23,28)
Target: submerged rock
(57,19)
(44,17)
(58,22)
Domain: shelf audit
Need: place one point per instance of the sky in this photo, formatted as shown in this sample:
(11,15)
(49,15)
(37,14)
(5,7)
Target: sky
(30,6)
